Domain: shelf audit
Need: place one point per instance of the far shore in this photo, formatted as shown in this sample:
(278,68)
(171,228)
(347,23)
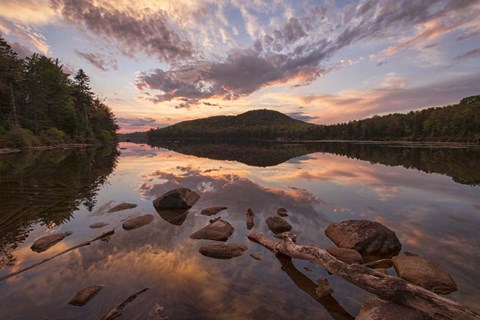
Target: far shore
(41,148)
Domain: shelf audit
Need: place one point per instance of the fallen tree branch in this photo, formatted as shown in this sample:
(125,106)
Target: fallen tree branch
(384,286)
(83,244)
(118,310)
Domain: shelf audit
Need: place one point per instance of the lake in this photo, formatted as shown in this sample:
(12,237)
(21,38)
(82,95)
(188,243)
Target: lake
(428,195)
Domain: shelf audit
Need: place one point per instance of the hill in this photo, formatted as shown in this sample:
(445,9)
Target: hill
(459,123)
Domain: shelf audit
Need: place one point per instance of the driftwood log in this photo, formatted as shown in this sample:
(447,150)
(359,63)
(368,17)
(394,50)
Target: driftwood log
(384,286)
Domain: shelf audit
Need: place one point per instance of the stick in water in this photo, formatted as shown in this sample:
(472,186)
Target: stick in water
(118,310)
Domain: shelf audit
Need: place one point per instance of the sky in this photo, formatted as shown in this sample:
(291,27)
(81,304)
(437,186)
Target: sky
(156,63)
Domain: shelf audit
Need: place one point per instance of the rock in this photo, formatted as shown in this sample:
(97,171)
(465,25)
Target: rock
(367,237)
(122,206)
(277,224)
(424,273)
(323,288)
(377,309)
(137,222)
(212,211)
(98,225)
(46,242)
(250,217)
(85,295)
(220,250)
(219,230)
(255,256)
(381,270)
(177,199)
(176,217)
(349,256)
(282,212)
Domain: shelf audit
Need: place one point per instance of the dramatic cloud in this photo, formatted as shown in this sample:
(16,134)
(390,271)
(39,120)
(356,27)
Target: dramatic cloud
(468,54)
(98,60)
(138,124)
(132,31)
(299,51)
(21,50)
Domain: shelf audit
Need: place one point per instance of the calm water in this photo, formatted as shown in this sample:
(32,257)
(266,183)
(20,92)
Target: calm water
(429,196)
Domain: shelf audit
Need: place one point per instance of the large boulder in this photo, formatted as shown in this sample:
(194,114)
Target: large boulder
(278,225)
(176,199)
(219,230)
(175,217)
(220,250)
(137,222)
(377,309)
(44,243)
(424,273)
(349,256)
(367,237)
(212,211)
(86,294)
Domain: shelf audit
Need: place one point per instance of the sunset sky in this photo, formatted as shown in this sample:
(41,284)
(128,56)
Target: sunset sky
(160,62)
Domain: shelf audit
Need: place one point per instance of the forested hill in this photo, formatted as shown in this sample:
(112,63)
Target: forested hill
(460,122)
(41,105)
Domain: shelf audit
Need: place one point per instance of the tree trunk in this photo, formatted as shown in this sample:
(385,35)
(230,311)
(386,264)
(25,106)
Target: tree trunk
(384,286)
(14,107)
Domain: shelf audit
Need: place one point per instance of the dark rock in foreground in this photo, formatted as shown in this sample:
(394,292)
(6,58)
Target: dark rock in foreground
(282,212)
(250,217)
(137,222)
(176,217)
(377,309)
(47,242)
(349,256)
(278,225)
(86,294)
(98,225)
(220,250)
(179,198)
(367,237)
(122,206)
(424,273)
(219,230)
(212,211)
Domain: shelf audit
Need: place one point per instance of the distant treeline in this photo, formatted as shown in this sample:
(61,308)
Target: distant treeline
(460,122)
(41,105)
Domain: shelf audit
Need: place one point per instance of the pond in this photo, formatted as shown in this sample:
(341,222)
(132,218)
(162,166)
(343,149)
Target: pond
(428,195)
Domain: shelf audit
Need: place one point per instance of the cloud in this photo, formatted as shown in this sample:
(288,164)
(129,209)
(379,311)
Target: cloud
(298,52)
(468,54)
(301,116)
(98,60)
(131,30)
(21,50)
(138,124)
(33,12)
(24,33)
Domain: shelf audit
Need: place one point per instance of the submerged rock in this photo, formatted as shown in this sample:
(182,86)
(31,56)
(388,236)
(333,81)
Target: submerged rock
(250,217)
(255,256)
(323,288)
(47,242)
(424,273)
(367,237)
(176,217)
(179,198)
(377,309)
(122,206)
(212,211)
(220,250)
(137,222)
(278,225)
(349,256)
(219,230)
(282,212)
(98,225)
(86,294)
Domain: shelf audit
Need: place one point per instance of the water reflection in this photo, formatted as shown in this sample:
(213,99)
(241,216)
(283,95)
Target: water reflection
(460,163)
(432,215)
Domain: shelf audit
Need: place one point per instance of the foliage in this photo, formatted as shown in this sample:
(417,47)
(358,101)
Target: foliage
(459,122)
(36,94)
(20,138)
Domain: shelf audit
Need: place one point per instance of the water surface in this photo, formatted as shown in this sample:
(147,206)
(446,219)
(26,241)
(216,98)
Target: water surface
(430,196)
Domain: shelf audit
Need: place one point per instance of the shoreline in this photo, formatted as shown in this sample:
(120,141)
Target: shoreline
(43,148)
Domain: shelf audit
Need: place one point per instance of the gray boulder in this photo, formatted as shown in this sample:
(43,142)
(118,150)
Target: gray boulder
(377,309)
(176,199)
(424,273)
(219,230)
(212,211)
(137,222)
(85,295)
(278,225)
(349,256)
(44,243)
(220,250)
(367,237)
